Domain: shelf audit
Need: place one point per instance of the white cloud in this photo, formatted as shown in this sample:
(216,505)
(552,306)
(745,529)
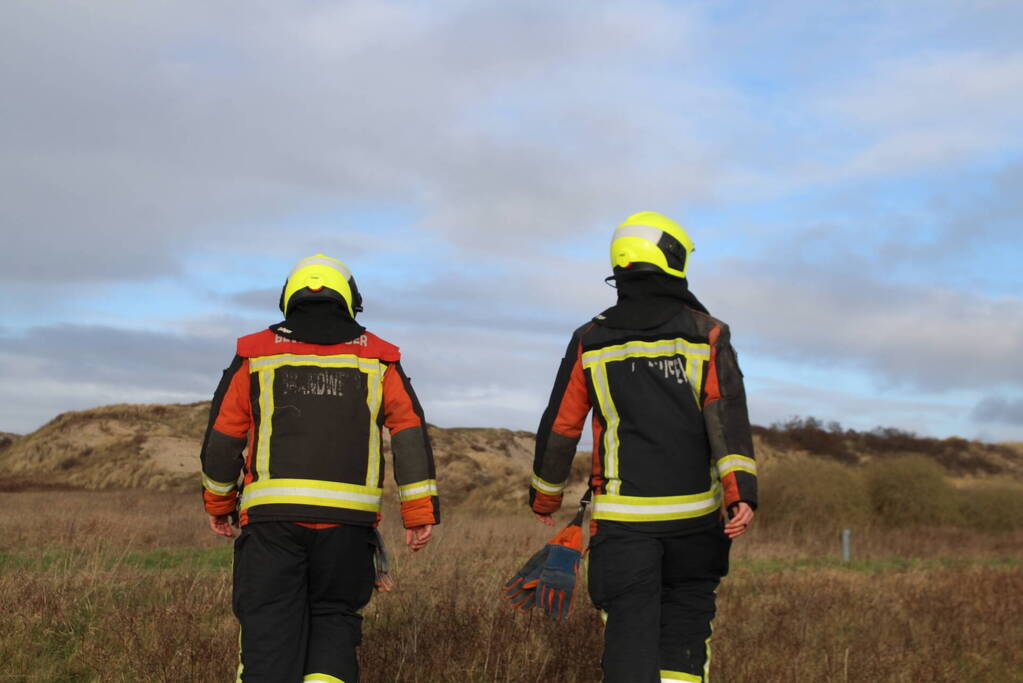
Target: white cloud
(930,110)
(135,146)
(470,154)
(924,337)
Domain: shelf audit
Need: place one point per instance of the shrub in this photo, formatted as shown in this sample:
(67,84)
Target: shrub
(910,491)
(812,435)
(809,492)
(992,506)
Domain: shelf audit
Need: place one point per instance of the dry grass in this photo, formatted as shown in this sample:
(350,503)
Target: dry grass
(130,586)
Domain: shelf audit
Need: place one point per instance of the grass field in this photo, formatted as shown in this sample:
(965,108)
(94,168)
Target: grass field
(131,586)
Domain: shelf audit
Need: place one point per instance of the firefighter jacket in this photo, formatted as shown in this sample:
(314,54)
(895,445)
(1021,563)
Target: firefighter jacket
(671,434)
(308,418)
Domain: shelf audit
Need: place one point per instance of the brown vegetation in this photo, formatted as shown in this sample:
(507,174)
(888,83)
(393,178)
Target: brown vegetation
(127,584)
(958,456)
(904,491)
(131,586)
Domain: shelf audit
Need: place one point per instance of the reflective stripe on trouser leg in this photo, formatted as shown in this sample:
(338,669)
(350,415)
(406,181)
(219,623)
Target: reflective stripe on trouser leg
(669,676)
(322,678)
(238,676)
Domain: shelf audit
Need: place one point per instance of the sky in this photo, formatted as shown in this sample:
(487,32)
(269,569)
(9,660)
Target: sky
(851,174)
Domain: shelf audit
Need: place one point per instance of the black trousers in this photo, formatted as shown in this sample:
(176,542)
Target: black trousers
(297,595)
(658,596)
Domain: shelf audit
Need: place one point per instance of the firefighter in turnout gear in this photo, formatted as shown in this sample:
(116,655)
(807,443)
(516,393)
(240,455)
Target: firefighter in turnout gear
(673,477)
(293,454)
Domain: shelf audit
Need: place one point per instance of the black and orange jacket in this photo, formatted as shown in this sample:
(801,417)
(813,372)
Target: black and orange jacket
(308,419)
(671,434)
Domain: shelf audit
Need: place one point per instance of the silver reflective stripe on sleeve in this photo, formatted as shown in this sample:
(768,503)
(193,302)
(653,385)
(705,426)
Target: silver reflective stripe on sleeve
(546,487)
(217,487)
(419,489)
(736,463)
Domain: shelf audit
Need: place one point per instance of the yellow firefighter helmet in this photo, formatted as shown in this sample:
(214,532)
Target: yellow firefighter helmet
(651,241)
(321,277)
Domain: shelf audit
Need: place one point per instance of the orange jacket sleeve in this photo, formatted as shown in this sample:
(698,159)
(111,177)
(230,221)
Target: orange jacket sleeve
(226,437)
(414,469)
(559,432)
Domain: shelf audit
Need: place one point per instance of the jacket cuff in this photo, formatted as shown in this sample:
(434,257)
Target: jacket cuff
(546,503)
(418,512)
(219,505)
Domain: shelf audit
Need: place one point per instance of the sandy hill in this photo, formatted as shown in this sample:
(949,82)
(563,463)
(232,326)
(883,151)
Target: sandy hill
(156,447)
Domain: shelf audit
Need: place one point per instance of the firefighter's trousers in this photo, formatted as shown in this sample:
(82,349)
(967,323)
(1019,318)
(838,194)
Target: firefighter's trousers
(297,596)
(658,595)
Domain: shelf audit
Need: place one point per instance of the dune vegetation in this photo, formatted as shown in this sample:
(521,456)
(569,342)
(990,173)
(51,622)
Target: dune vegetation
(113,576)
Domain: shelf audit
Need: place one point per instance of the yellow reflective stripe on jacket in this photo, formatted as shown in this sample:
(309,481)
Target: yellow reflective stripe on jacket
(266,412)
(374,396)
(679,676)
(637,349)
(544,486)
(696,356)
(736,463)
(266,367)
(694,370)
(419,489)
(655,509)
(346,360)
(607,408)
(322,678)
(218,487)
(312,492)
(596,361)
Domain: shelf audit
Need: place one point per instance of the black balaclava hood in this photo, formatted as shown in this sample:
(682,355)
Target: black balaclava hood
(647,299)
(319,322)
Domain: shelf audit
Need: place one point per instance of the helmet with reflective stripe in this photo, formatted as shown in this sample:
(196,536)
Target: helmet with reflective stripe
(324,278)
(650,241)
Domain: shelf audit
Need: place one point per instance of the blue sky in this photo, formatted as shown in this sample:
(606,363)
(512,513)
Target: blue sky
(851,174)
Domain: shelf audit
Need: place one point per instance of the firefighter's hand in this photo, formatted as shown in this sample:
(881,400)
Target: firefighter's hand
(741,518)
(418,536)
(546,519)
(221,524)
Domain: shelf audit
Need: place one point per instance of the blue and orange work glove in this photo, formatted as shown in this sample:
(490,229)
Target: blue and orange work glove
(556,589)
(520,591)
